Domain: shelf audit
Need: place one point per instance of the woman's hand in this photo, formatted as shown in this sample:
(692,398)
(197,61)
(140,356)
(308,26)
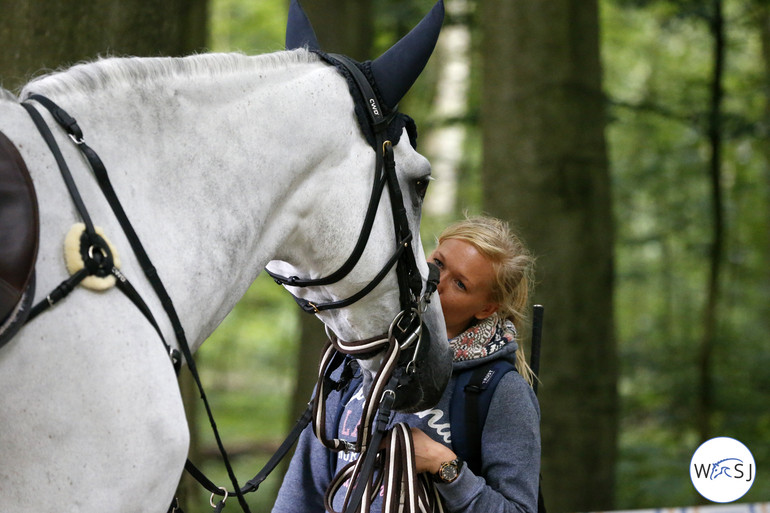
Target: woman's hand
(429,454)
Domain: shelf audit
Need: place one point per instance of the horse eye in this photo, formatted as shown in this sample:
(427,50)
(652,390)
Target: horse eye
(421,186)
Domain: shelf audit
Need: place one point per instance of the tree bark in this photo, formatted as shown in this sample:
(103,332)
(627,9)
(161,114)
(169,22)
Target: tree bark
(705,403)
(44,35)
(545,170)
(764,242)
(343,26)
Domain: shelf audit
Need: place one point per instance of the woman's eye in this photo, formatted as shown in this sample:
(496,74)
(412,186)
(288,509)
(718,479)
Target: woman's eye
(438,263)
(460,285)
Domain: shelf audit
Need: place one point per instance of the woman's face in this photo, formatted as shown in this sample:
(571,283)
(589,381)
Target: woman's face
(466,282)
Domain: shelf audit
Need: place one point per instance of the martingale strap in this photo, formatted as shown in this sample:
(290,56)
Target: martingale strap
(69,124)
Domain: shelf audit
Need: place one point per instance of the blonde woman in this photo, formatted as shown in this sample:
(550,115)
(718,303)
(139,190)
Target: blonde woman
(486,273)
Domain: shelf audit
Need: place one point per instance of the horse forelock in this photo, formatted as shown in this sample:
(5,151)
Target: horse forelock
(132,71)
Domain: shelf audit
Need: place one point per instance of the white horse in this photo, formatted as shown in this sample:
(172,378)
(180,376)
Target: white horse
(224,164)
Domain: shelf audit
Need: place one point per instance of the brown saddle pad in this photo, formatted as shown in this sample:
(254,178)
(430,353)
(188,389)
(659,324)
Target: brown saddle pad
(19,228)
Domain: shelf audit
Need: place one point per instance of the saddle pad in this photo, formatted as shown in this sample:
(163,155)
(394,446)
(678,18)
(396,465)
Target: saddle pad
(19,227)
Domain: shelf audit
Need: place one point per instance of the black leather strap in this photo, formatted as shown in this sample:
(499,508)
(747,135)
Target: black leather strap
(59,293)
(310,306)
(368,467)
(378,185)
(409,279)
(69,124)
(252,485)
(49,139)
(377,118)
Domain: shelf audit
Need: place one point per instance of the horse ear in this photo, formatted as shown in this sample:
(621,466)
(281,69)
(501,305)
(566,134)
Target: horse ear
(398,68)
(299,31)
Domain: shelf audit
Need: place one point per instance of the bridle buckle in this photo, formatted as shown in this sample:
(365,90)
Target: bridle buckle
(407,337)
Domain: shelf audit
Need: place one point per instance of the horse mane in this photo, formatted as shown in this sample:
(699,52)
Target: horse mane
(5,94)
(104,72)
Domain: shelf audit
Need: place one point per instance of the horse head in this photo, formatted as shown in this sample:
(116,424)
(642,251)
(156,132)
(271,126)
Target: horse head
(358,308)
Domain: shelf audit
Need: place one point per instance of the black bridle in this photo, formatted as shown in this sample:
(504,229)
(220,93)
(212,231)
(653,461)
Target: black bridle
(400,345)
(409,279)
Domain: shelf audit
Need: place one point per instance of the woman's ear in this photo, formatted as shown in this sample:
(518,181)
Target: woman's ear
(485,312)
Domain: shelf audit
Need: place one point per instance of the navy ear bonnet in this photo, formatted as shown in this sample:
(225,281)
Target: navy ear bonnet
(398,120)
(390,75)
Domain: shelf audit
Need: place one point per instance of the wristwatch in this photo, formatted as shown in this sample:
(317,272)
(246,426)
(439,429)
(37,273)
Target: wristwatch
(448,471)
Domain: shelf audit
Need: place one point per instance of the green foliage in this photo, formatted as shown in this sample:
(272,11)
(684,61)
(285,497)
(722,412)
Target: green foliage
(657,59)
(250,27)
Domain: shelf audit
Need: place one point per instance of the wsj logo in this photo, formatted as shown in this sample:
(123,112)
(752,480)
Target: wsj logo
(722,469)
(727,468)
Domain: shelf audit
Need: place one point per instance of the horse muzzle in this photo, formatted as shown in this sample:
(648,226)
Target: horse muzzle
(424,369)
(425,364)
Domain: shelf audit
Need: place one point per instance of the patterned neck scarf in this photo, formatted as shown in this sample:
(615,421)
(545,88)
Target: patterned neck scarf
(483,339)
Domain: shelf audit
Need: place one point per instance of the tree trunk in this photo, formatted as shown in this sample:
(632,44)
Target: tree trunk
(445,144)
(764,242)
(705,404)
(48,34)
(545,170)
(343,26)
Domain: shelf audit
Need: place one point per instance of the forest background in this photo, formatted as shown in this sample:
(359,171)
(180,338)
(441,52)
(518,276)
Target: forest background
(627,140)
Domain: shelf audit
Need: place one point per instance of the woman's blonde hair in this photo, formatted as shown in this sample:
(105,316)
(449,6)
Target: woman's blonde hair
(514,270)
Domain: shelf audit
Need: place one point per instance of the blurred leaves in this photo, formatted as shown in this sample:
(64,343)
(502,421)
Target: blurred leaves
(657,64)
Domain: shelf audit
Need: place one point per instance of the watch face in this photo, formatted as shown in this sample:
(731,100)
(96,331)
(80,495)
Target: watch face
(449,472)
